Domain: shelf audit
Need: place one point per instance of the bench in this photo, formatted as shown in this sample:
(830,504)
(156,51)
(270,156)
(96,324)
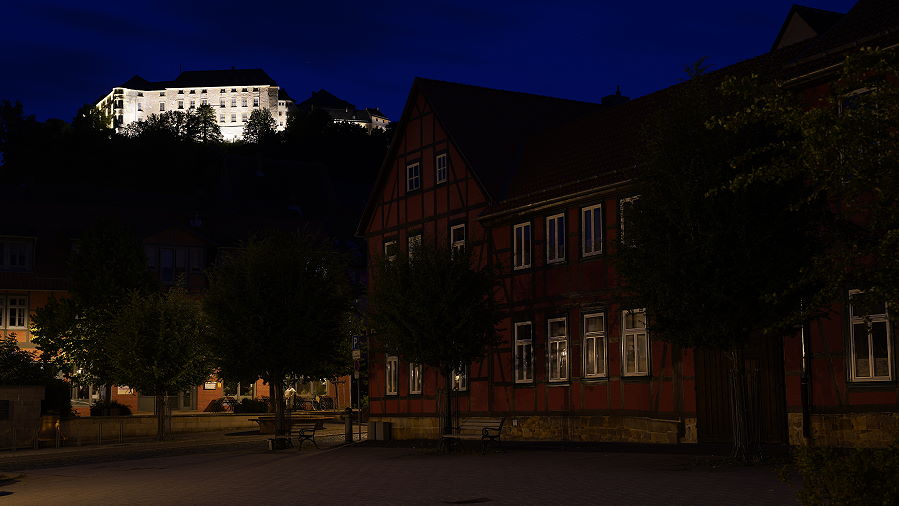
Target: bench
(478,428)
(305,431)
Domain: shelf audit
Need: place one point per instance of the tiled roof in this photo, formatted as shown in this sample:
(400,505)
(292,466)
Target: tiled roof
(199,78)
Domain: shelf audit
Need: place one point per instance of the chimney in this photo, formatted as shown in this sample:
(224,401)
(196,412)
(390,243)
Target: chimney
(615,99)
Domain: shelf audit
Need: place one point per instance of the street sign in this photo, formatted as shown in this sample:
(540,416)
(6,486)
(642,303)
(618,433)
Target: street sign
(356,368)
(357,354)
(356,340)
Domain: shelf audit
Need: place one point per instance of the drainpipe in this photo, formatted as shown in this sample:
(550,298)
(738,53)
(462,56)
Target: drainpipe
(805,336)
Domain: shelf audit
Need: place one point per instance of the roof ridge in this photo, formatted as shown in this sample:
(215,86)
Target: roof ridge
(510,92)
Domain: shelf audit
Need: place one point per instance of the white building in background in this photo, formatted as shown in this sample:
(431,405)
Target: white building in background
(234,94)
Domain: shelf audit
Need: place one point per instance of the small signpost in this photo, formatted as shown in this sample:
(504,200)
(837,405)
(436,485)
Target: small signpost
(357,356)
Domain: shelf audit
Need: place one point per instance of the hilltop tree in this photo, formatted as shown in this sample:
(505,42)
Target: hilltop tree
(260,127)
(291,293)
(435,309)
(159,346)
(73,332)
(206,128)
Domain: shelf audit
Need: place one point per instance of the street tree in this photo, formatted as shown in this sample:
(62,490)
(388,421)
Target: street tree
(436,309)
(714,268)
(844,146)
(260,127)
(279,310)
(19,367)
(73,332)
(160,347)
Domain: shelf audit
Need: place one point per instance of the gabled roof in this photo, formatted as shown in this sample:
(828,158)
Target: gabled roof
(489,127)
(803,23)
(323,99)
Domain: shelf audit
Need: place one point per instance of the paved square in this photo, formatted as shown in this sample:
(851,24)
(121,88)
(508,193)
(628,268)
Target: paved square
(373,475)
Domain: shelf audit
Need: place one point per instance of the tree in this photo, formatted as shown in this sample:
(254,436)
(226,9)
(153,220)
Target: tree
(713,268)
(260,126)
(19,367)
(159,346)
(844,146)
(279,309)
(73,332)
(435,309)
(206,128)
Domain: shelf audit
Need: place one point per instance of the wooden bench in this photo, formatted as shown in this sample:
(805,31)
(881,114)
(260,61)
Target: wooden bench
(305,431)
(478,428)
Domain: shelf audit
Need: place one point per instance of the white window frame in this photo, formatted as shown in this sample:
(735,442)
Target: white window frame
(595,218)
(595,341)
(634,334)
(557,358)
(21,310)
(621,203)
(415,379)
(11,249)
(460,379)
(441,167)
(457,245)
(869,321)
(392,375)
(522,254)
(387,244)
(413,176)
(554,254)
(524,350)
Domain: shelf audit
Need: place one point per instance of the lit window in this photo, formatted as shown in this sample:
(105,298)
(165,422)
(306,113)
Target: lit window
(413,176)
(555,238)
(591,230)
(440,162)
(594,345)
(390,250)
(457,237)
(524,353)
(16,310)
(392,373)
(414,241)
(557,344)
(634,343)
(521,250)
(625,211)
(415,378)
(871,346)
(460,379)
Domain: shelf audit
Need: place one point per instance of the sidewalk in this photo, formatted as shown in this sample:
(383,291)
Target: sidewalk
(143,447)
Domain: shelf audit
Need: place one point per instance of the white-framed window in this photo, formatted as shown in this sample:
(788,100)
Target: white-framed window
(555,238)
(521,246)
(591,230)
(161,106)
(415,380)
(221,118)
(392,374)
(414,242)
(204,101)
(16,255)
(243,101)
(390,249)
(413,176)
(634,343)
(457,237)
(14,311)
(255,101)
(140,106)
(524,352)
(233,102)
(595,345)
(181,104)
(193,103)
(870,342)
(243,117)
(441,164)
(222,103)
(460,379)
(625,211)
(557,346)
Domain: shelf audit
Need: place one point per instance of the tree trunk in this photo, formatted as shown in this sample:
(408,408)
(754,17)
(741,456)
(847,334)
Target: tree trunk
(107,392)
(277,390)
(161,402)
(448,421)
(743,445)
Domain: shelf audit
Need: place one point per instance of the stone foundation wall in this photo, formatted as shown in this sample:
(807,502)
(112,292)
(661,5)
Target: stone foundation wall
(846,430)
(21,414)
(88,429)
(629,429)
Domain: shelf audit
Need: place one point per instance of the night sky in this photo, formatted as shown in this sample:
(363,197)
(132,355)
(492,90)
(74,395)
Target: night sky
(59,55)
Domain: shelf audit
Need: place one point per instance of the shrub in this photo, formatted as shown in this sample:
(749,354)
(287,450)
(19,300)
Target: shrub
(251,406)
(839,476)
(109,408)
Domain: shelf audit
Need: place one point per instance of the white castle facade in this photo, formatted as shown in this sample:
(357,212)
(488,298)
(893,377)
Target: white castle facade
(234,94)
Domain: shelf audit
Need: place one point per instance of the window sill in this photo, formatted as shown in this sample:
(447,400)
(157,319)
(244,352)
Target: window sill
(556,262)
(558,383)
(595,380)
(525,384)
(521,269)
(636,379)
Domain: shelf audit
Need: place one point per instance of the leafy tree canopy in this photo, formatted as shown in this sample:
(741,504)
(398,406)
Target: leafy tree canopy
(260,127)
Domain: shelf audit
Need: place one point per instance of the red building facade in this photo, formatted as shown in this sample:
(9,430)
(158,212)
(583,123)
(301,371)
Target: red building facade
(539,187)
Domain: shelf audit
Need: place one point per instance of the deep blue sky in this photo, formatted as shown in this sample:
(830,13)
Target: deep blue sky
(58,55)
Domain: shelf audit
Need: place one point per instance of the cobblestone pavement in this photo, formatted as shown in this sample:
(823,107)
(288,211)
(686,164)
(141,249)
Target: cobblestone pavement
(377,475)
